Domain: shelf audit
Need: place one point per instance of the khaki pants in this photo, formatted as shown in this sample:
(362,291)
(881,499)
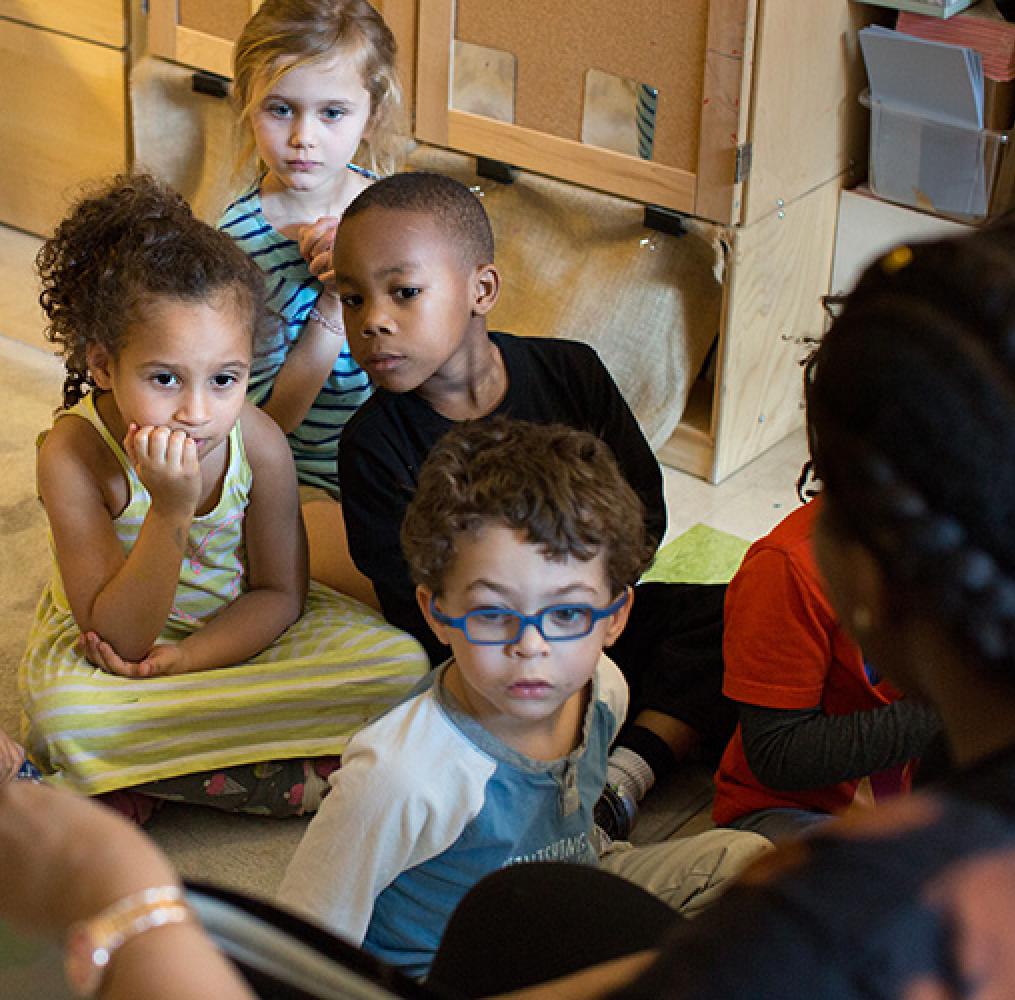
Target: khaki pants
(688,874)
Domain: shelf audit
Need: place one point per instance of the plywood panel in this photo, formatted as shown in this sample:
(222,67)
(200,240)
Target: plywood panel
(780,268)
(806,124)
(201,35)
(222,19)
(103,21)
(197,34)
(627,176)
(67,127)
(558,156)
(724,108)
(433,69)
(555,43)
(400,17)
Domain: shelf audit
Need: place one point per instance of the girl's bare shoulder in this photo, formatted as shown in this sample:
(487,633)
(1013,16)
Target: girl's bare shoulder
(263,439)
(74,441)
(74,461)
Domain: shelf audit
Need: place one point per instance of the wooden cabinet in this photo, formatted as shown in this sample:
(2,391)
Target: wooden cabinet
(200,34)
(757,130)
(63,68)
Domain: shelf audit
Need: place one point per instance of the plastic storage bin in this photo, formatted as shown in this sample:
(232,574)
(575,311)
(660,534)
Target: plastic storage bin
(951,170)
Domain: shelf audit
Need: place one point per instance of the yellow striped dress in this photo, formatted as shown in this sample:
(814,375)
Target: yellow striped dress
(331,672)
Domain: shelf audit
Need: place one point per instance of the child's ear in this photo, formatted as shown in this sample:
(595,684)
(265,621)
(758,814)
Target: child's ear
(616,623)
(423,597)
(486,289)
(99,365)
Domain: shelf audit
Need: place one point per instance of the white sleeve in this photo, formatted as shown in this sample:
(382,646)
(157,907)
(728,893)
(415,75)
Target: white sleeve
(393,804)
(612,689)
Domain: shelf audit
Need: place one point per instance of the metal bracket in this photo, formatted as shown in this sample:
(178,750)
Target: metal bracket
(743,165)
(665,220)
(203,82)
(496,170)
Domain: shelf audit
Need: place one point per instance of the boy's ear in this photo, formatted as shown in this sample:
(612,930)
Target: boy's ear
(616,623)
(423,598)
(99,365)
(486,289)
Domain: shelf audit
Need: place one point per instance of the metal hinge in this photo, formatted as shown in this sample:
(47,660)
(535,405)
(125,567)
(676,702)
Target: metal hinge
(743,165)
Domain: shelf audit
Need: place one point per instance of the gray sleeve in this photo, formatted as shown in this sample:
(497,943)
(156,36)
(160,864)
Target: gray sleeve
(796,750)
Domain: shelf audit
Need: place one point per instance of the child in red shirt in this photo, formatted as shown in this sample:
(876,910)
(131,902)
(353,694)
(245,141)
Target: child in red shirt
(814,718)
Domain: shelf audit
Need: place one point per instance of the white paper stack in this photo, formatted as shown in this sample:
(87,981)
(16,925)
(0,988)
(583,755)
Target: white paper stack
(928,145)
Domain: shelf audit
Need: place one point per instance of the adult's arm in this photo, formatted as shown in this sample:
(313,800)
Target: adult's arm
(66,858)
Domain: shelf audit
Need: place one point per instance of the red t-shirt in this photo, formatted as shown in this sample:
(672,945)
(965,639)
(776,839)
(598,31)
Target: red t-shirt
(784,648)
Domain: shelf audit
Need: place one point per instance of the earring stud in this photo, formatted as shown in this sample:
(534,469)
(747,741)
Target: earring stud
(862,619)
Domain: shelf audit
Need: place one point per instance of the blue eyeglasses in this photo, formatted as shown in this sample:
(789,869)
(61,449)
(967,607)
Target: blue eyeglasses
(500,626)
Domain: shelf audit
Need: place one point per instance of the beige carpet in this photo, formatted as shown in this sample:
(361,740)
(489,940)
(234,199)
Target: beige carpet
(29,387)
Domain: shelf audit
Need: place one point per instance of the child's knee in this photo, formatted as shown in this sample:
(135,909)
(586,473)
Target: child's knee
(688,873)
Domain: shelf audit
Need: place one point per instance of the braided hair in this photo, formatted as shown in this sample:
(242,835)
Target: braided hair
(911,420)
(131,241)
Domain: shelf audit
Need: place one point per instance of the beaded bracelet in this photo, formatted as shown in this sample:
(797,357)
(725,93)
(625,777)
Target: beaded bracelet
(92,943)
(329,324)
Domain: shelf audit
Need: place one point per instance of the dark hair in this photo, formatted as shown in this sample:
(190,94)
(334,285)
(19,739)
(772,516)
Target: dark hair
(911,420)
(130,242)
(284,34)
(458,213)
(559,486)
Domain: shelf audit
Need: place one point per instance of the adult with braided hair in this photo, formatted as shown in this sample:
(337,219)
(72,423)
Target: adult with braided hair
(911,420)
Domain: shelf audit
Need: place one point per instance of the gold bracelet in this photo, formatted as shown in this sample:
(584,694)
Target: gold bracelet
(92,943)
(329,324)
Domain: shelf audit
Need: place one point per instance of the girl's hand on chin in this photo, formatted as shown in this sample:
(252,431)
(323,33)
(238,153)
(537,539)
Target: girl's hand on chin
(167,464)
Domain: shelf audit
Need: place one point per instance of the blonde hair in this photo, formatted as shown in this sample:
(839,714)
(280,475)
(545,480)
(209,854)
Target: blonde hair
(301,32)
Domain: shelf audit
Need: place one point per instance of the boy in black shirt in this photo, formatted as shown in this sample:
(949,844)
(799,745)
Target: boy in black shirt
(414,267)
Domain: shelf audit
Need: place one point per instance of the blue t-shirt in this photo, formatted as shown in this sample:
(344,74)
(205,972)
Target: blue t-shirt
(427,803)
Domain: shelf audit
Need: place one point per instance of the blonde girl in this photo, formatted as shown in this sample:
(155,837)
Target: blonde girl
(317,97)
(176,530)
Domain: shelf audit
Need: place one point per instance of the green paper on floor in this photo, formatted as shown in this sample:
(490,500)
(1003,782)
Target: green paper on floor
(700,555)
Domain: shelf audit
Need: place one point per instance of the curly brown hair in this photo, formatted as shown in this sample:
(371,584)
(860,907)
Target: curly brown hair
(284,34)
(559,486)
(132,240)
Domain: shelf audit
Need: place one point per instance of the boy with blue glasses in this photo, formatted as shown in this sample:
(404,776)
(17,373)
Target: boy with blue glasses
(524,541)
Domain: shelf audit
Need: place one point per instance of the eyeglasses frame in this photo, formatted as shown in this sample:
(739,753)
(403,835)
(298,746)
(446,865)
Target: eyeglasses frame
(460,622)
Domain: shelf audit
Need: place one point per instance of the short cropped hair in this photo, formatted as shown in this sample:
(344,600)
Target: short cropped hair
(458,213)
(560,487)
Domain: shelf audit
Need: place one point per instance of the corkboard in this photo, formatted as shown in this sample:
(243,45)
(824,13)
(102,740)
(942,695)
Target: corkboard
(555,43)
(222,19)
